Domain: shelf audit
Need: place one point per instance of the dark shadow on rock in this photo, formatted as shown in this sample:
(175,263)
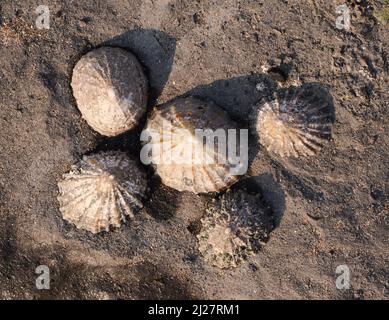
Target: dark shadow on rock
(237,95)
(8,245)
(272,193)
(297,184)
(71,279)
(144,281)
(314,94)
(162,202)
(156,283)
(155,49)
(194,227)
(281,72)
(127,142)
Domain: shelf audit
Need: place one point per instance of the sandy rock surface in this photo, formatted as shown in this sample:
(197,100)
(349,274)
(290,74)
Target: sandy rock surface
(332,209)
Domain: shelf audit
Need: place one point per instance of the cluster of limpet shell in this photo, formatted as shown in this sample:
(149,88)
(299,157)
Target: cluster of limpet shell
(234,228)
(104,189)
(297,123)
(101,191)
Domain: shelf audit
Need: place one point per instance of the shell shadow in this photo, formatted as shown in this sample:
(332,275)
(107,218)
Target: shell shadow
(272,194)
(313,93)
(8,245)
(307,115)
(155,49)
(237,95)
(158,283)
(162,202)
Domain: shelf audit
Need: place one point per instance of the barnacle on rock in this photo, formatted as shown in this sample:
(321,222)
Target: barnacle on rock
(175,150)
(110,90)
(297,123)
(101,190)
(233,228)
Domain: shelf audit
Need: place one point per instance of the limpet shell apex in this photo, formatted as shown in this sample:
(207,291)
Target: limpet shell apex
(297,123)
(233,229)
(176,123)
(101,191)
(110,89)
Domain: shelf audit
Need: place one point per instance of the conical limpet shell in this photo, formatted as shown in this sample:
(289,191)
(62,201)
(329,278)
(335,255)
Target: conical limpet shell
(233,228)
(101,191)
(176,145)
(110,89)
(298,123)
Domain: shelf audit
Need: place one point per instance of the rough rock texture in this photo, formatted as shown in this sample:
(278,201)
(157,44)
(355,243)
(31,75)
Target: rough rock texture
(233,228)
(110,90)
(332,208)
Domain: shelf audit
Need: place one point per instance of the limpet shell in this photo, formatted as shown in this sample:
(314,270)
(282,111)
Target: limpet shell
(175,122)
(110,89)
(101,191)
(297,123)
(233,228)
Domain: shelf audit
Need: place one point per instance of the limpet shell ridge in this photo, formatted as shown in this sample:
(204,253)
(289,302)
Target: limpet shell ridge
(101,191)
(176,123)
(110,89)
(233,228)
(297,123)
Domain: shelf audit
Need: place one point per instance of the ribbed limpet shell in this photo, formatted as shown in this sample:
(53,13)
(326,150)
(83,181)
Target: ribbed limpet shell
(233,229)
(297,123)
(101,191)
(110,89)
(175,122)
